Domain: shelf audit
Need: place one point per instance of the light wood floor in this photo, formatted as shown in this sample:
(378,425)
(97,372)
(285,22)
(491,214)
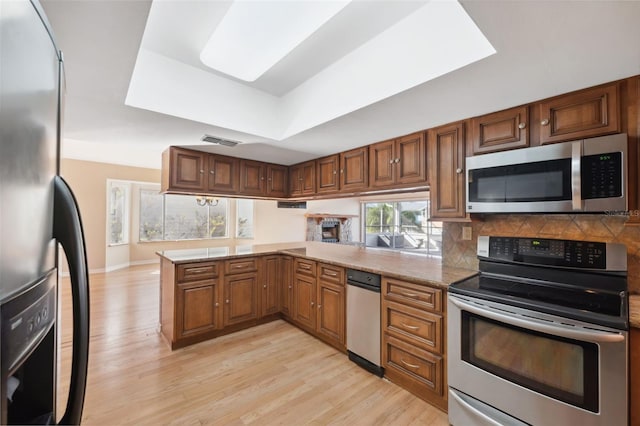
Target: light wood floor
(270,374)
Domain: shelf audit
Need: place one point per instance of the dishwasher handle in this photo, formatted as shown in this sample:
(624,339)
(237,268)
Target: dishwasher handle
(371,287)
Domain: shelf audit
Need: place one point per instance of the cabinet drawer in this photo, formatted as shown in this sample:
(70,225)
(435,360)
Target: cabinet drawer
(418,327)
(419,296)
(331,273)
(306,267)
(423,370)
(238,266)
(197,271)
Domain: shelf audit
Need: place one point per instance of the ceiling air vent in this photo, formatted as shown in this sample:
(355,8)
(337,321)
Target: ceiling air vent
(213,139)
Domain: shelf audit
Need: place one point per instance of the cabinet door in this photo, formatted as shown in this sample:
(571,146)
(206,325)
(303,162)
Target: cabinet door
(286,271)
(583,114)
(446,171)
(252,178)
(304,295)
(308,178)
(277,180)
(381,161)
(270,294)
(501,130)
(409,161)
(187,169)
(198,308)
(354,166)
(241,298)
(331,309)
(327,170)
(223,174)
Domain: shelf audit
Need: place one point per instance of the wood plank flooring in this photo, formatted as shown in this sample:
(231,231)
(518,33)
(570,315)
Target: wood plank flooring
(270,374)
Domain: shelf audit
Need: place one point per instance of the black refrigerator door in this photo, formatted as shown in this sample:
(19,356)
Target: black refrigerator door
(67,229)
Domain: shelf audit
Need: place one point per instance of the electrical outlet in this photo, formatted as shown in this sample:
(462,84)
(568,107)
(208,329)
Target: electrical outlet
(466,233)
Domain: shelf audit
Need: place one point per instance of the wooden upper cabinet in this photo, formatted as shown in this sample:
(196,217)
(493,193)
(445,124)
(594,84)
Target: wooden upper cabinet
(381,161)
(302,179)
(398,162)
(508,129)
(277,180)
(222,174)
(446,171)
(583,114)
(354,169)
(185,170)
(327,173)
(252,180)
(410,159)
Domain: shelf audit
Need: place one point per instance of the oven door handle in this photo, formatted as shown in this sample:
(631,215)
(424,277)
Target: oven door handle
(488,312)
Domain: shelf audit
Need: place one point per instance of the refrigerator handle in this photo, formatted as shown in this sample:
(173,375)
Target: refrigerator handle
(67,229)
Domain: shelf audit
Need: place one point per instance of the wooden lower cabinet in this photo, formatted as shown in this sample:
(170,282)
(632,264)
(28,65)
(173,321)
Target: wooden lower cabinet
(319,301)
(197,308)
(304,300)
(271,275)
(286,268)
(240,298)
(413,339)
(634,382)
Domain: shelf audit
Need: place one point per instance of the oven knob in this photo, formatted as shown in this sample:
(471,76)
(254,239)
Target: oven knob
(38,318)
(30,327)
(45,313)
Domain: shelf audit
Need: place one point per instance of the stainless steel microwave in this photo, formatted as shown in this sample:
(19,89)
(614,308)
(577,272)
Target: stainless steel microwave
(587,175)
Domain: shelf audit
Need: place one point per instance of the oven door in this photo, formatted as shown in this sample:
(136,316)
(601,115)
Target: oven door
(538,368)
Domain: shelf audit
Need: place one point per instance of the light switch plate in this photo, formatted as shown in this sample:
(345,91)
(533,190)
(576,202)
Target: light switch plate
(466,233)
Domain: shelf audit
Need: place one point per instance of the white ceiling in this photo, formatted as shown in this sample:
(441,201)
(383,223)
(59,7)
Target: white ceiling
(543,49)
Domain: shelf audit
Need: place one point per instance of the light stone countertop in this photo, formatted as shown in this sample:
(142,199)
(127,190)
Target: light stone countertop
(411,267)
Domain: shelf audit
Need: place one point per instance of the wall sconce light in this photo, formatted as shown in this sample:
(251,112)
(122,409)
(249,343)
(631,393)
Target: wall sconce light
(207,201)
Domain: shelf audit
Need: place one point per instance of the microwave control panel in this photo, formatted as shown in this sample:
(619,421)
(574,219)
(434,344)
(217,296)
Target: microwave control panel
(601,175)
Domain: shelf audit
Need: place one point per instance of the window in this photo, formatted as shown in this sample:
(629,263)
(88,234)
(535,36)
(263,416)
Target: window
(402,225)
(118,214)
(244,226)
(179,217)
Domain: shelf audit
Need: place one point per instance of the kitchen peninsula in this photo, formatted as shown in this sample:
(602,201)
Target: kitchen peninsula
(206,293)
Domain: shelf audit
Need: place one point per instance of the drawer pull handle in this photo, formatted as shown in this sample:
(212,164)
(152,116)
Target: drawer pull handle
(239,266)
(410,327)
(409,365)
(303,266)
(197,270)
(412,295)
(332,274)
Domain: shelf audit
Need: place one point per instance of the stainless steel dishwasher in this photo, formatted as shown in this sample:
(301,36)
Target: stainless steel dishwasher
(363,320)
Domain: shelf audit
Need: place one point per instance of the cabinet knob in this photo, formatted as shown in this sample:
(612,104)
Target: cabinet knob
(212,172)
(545,122)
(397,160)
(289,287)
(201,171)
(217,304)
(312,304)
(341,170)
(522,125)
(335,172)
(264,286)
(319,306)
(459,170)
(261,177)
(226,301)
(391,161)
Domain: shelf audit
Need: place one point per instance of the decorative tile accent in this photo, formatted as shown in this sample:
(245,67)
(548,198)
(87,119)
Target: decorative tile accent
(604,228)
(314,229)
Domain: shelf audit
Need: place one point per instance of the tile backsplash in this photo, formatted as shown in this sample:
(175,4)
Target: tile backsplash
(593,227)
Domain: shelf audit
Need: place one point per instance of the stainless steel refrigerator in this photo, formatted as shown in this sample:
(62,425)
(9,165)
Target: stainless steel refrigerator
(38,213)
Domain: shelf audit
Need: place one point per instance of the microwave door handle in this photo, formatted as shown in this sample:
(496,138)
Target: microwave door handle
(577,334)
(576,189)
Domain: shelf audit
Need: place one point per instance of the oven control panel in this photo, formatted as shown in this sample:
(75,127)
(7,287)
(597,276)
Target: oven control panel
(545,251)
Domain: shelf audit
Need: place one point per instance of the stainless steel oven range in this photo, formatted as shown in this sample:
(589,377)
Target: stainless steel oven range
(540,335)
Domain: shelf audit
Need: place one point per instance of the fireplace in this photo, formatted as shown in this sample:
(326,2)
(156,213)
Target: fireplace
(329,228)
